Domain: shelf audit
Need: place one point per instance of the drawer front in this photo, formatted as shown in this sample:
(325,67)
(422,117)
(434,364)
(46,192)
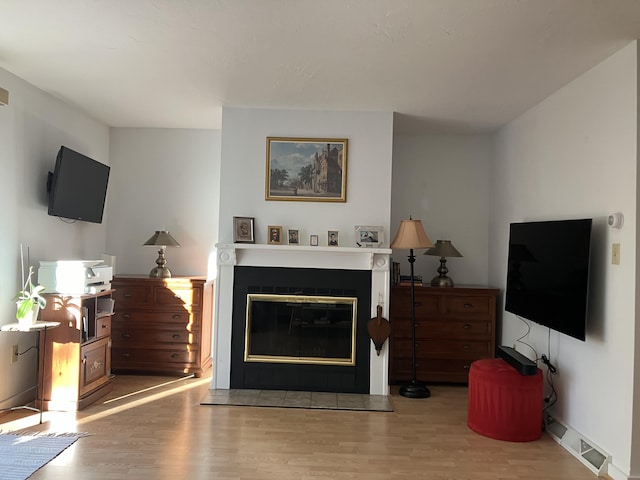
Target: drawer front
(433,370)
(128,317)
(124,358)
(130,295)
(443,348)
(467,306)
(458,329)
(177,296)
(95,365)
(426,305)
(137,338)
(103,327)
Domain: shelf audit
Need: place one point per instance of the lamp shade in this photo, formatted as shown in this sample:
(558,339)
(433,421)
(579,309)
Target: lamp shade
(411,235)
(443,248)
(162,238)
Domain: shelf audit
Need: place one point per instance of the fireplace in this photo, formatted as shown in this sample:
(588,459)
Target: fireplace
(322,342)
(325,295)
(300,329)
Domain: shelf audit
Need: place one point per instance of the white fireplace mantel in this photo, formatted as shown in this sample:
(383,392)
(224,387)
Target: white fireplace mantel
(296,256)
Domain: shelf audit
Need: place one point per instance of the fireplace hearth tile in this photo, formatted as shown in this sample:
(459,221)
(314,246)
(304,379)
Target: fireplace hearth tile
(298,399)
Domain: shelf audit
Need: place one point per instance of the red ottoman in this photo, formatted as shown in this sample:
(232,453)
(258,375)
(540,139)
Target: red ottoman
(504,404)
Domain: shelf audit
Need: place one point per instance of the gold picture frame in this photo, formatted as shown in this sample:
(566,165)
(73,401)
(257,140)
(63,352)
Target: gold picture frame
(306,169)
(274,235)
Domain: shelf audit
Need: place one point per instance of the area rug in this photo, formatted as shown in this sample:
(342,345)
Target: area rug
(23,453)
(296,399)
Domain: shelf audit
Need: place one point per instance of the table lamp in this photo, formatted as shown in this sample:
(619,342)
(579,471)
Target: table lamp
(162,239)
(443,249)
(410,236)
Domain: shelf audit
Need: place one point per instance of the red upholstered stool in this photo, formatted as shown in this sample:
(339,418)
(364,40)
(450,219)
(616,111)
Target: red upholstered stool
(503,404)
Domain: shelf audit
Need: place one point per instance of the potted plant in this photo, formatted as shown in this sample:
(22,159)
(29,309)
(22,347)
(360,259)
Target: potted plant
(29,302)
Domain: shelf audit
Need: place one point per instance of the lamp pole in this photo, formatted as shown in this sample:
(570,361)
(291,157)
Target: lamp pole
(414,389)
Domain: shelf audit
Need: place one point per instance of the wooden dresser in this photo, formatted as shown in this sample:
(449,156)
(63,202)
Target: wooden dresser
(455,326)
(76,360)
(162,325)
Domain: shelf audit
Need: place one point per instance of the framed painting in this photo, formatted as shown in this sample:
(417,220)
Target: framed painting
(243,230)
(368,236)
(274,235)
(306,169)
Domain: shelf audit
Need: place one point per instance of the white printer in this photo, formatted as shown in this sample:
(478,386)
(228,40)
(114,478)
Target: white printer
(75,276)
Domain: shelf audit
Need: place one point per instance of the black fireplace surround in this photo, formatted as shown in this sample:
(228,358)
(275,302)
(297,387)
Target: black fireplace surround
(304,377)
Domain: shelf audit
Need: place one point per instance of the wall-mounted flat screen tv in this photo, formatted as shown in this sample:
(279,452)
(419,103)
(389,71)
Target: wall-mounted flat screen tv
(77,187)
(548,274)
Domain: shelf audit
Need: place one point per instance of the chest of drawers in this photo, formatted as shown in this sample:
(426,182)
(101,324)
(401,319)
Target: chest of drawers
(454,327)
(162,325)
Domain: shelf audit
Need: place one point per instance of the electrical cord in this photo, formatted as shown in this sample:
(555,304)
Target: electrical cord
(552,398)
(519,340)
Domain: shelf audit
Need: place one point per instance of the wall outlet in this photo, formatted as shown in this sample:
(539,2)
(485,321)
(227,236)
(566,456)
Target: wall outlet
(14,354)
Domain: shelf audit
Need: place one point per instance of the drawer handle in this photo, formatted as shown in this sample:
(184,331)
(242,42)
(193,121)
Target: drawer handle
(84,360)
(466,326)
(468,305)
(126,335)
(126,315)
(466,367)
(466,346)
(104,325)
(126,355)
(128,295)
(175,355)
(175,335)
(177,316)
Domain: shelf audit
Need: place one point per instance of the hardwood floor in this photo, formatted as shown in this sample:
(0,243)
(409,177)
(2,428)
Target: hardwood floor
(155,428)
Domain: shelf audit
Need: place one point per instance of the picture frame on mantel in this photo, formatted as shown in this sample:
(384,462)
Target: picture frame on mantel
(369,236)
(243,230)
(274,235)
(306,169)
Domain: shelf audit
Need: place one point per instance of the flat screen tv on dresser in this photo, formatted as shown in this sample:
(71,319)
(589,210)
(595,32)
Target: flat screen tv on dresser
(548,274)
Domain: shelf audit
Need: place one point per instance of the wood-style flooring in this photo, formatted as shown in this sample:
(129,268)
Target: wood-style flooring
(155,428)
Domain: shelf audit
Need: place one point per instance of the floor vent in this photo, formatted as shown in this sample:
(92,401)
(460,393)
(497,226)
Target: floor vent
(593,457)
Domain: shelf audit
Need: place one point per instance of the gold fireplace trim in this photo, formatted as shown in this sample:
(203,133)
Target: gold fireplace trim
(302,299)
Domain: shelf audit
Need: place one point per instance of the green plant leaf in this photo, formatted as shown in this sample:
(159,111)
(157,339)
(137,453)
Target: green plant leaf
(23,308)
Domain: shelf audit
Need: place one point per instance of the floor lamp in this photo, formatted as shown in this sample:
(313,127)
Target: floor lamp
(412,236)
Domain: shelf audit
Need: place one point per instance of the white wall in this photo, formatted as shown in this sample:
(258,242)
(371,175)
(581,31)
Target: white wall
(244,133)
(572,156)
(32,128)
(443,180)
(163,178)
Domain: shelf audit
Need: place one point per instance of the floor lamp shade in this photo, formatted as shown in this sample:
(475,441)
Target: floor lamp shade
(410,236)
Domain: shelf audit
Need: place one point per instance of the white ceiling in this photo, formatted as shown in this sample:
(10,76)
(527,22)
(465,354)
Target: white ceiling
(443,65)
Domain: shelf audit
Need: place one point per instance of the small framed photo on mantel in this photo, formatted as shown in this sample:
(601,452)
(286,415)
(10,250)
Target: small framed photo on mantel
(275,235)
(369,236)
(243,230)
(293,237)
(333,239)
